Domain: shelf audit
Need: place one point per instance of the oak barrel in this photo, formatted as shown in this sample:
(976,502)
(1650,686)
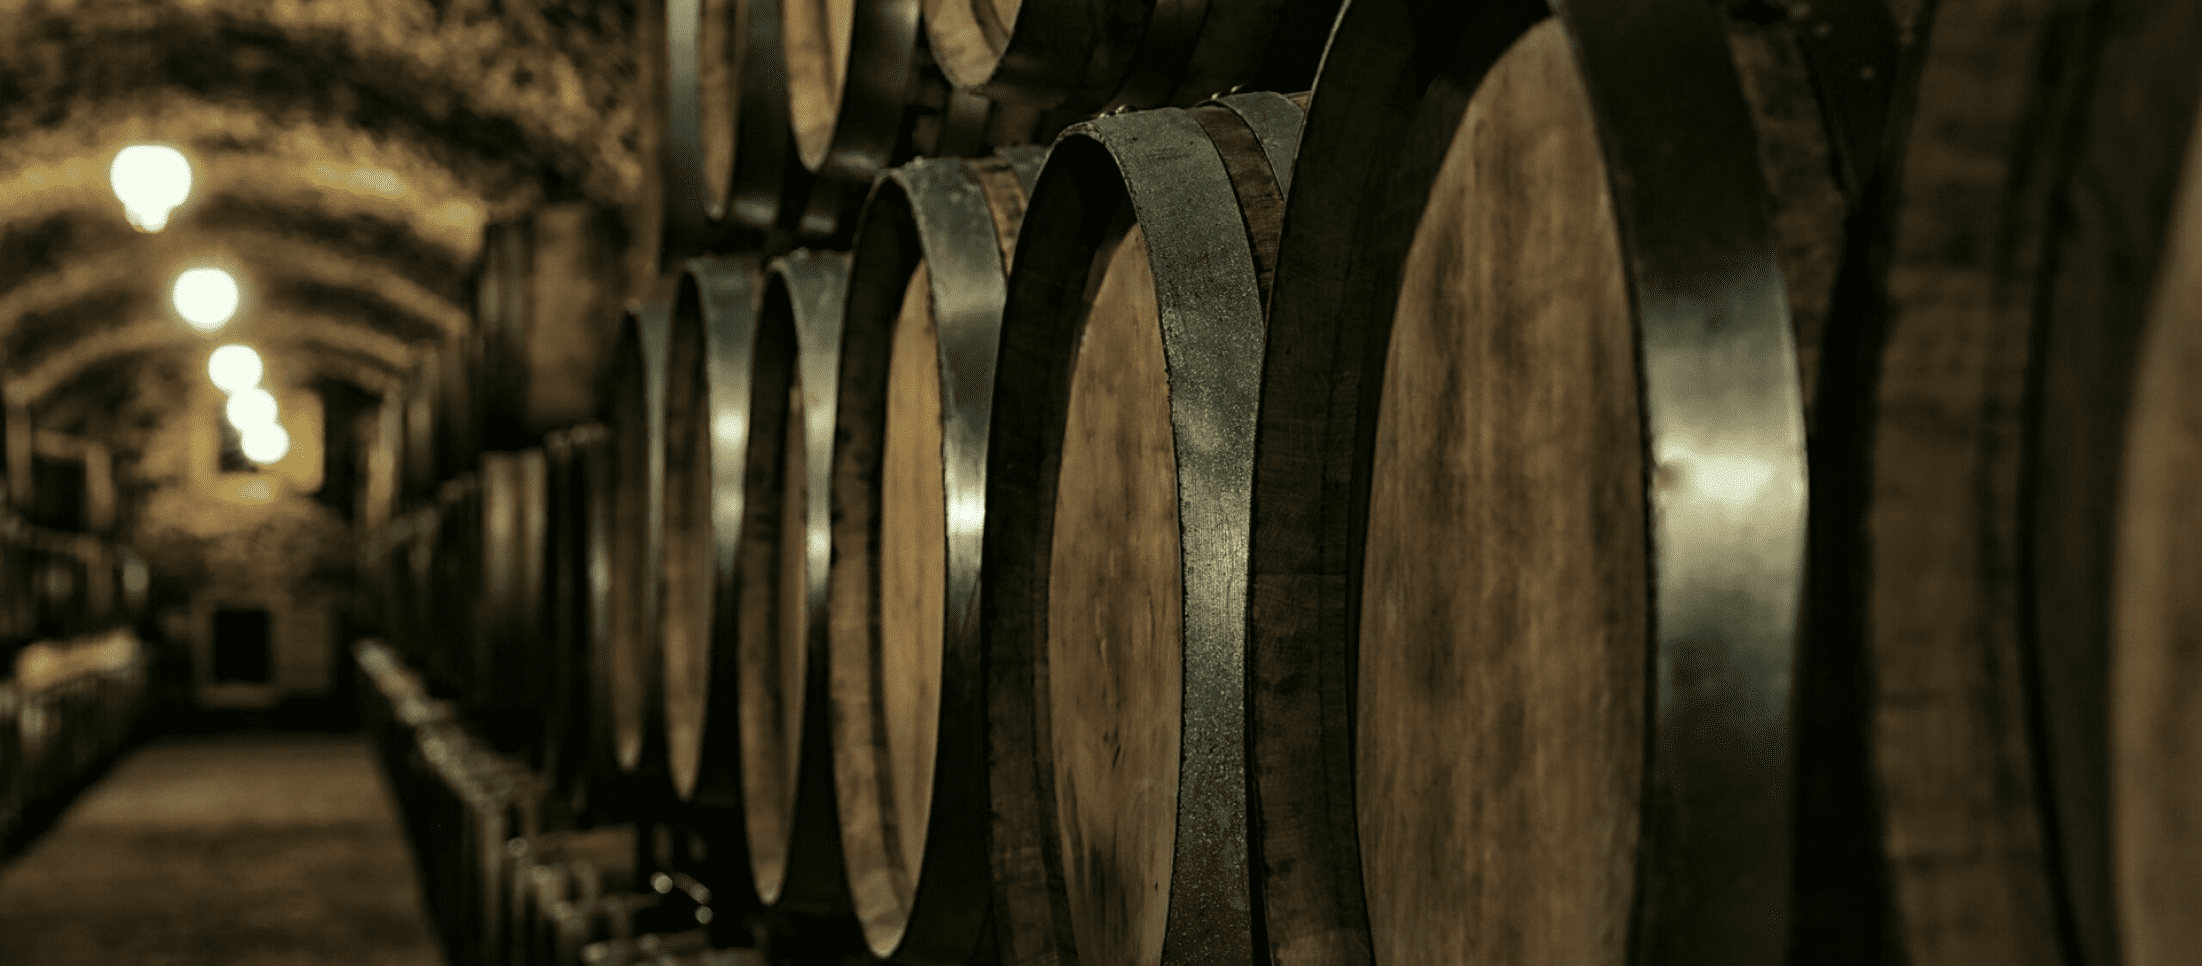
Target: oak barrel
(454,594)
(730,158)
(545,291)
(928,278)
(2154,669)
(512,600)
(1528,350)
(419,471)
(578,757)
(1118,465)
(723,420)
(786,776)
(634,414)
(1996,435)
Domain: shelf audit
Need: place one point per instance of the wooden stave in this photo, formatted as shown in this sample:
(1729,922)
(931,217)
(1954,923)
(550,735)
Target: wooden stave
(2151,730)
(545,284)
(757,185)
(1985,683)
(1109,164)
(419,472)
(799,322)
(459,399)
(1303,569)
(713,348)
(952,215)
(634,413)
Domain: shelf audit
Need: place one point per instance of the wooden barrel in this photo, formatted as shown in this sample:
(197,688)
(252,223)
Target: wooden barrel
(730,158)
(926,285)
(454,594)
(1528,350)
(419,472)
(2003,468)
(512,600)
(2154,668)
(459,403)
(634,413)
(723,449)
(546,288)
(1115,536)
(1087,57)
(578,757)
(786,765)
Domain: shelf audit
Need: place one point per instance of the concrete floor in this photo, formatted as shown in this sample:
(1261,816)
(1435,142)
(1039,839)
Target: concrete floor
(252,849)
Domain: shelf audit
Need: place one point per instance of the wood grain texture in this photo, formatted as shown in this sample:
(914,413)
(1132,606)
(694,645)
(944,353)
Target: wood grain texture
(1504,612)
(1115,618)
(2156,731)
(1970,854)
(913,578)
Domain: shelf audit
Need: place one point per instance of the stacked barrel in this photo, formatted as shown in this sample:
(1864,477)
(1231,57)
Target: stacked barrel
(1579,483)
(73,673)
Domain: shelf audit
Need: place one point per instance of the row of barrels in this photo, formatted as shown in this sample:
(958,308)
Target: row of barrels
(1602,482)
(767,121)
(502,886)
(66,707)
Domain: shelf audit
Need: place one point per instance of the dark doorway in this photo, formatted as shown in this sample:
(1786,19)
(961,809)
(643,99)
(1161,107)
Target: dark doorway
(243,653)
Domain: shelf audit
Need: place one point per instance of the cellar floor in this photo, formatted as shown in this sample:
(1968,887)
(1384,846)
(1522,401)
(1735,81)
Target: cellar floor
(251,849)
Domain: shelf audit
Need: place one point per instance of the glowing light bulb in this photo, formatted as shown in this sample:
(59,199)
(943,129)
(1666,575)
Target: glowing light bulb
(206,298)
(250,409)
(234,368)
(266,443)
(151,180)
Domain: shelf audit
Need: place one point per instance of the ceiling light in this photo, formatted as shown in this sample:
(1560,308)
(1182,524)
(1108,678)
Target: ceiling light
(206,298)
(250,409)
(266,444)
(234,367)
(151,180)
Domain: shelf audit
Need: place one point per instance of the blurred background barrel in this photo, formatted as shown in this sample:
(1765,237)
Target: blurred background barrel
(578,758)
(1116,516)
(927,282)
(509,636)
(547,290)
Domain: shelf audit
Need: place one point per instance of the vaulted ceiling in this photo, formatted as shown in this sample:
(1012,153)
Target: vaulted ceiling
(346,155)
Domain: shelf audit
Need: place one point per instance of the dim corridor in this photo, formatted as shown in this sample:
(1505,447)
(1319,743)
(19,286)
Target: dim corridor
(249,849)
